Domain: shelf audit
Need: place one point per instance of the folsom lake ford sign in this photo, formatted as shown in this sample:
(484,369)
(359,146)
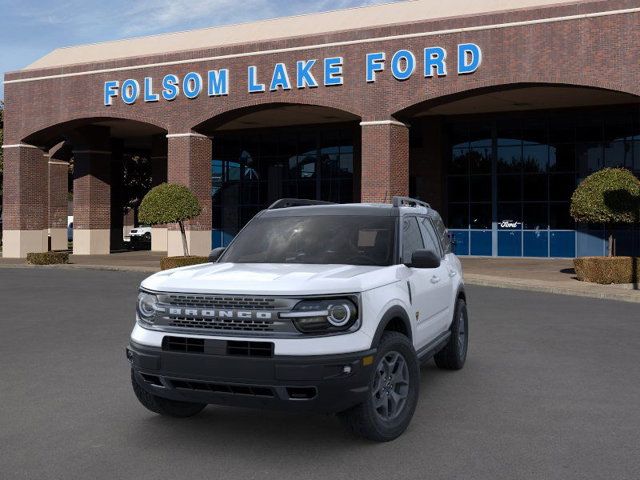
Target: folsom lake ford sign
(309,73)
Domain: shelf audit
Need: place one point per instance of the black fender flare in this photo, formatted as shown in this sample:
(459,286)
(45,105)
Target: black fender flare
(460,294)
(394,312)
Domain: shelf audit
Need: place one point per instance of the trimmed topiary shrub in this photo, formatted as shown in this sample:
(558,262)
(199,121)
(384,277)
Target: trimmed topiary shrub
(170,203)
(607,270)
(48,258)
(175,262)
(609,196)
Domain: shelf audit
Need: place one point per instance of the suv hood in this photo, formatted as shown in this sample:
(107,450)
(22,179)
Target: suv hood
(269,278)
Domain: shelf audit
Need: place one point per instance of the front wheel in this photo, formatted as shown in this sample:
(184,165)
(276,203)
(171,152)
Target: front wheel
(394,388)
(454,354)
(164,406)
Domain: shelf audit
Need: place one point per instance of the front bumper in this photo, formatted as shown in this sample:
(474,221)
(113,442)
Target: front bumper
(319,383)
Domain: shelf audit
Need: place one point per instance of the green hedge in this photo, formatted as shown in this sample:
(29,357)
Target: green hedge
(175,262)
(607,270)
(47,258)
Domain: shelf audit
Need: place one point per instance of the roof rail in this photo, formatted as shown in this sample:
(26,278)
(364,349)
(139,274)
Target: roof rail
(409,202)
(296,202)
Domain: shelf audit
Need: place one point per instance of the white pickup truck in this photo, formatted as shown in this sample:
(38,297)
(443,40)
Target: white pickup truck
(313,307)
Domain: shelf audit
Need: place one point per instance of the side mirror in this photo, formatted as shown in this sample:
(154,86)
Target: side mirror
(424,259)
(215,254)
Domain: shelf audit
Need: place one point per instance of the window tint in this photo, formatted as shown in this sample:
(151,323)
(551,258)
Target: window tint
(411,238)
(442,233)
(430,239)
(316,239)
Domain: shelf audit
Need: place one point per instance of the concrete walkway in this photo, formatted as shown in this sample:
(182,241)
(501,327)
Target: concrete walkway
(541,275)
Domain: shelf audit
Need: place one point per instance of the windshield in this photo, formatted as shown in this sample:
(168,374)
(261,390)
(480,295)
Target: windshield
(337,239)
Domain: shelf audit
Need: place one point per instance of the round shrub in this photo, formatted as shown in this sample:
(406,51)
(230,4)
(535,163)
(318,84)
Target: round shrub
(611,195)
(168,203)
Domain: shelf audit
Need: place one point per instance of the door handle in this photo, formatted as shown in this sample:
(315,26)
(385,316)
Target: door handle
(435,279)
(452,273)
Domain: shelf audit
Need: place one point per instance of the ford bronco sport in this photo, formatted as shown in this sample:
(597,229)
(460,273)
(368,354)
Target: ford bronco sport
(312,307)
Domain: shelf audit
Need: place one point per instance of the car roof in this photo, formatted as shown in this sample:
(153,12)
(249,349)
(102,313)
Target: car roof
(354,209)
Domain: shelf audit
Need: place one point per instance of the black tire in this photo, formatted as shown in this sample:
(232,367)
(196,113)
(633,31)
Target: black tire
(454,354)
(164,406)
(365,420)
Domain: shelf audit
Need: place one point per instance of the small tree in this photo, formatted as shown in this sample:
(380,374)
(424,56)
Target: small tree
(170,203)
(609,196)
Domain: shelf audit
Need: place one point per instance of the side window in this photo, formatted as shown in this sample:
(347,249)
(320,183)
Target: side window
(411,238)
(430,239)
(442,232)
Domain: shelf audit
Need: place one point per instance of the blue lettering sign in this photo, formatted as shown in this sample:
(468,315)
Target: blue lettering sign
(149,96)
(110,92)
(333,71)
(254,86)
(469,58)
(304,77)
(280,78)
(403,64)
(130,91)
(170,86)
(218,82)
(192,85)
(434,58)
(375,63)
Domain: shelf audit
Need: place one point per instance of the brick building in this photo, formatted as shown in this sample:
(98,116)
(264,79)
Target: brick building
(492,111)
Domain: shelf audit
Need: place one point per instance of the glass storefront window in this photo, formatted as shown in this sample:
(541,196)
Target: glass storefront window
(540,157)
(253,168)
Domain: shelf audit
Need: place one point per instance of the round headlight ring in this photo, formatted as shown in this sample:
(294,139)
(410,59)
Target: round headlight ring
(146,305)
(339,314)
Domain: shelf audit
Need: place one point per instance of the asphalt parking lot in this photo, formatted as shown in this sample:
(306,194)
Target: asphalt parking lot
(551,390)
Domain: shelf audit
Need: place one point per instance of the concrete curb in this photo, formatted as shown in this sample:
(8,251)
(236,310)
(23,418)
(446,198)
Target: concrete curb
(603,292)
(75,266)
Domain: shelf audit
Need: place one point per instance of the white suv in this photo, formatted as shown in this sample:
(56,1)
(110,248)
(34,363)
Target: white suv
(313,307)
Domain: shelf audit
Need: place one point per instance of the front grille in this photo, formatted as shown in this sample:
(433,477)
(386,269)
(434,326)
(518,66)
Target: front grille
(220,301)
(216,314)
(249,390)
(237,325)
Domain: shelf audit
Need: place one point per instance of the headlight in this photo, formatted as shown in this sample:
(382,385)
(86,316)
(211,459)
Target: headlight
(324,315)
(147,305)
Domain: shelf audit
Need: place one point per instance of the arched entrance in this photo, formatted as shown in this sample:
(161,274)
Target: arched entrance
(102,166)
(501,164)
(264,153)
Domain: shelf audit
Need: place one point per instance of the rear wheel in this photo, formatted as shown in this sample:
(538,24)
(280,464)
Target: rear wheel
(394,388)
(164,406)
(454,354)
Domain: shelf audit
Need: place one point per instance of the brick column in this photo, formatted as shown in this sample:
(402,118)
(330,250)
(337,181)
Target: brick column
(189,164)
(116,225)
(158,159)
(25,209)
(385,160)
(91,191)
(58,191)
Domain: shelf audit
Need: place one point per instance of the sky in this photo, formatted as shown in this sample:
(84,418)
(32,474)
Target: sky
(30,29)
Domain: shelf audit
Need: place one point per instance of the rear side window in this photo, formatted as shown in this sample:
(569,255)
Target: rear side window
(411,238)
(442,233)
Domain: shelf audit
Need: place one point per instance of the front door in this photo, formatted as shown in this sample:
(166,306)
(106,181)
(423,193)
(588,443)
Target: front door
(430,287)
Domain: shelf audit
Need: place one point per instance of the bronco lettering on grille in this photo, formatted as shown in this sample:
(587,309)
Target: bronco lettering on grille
(209,313)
